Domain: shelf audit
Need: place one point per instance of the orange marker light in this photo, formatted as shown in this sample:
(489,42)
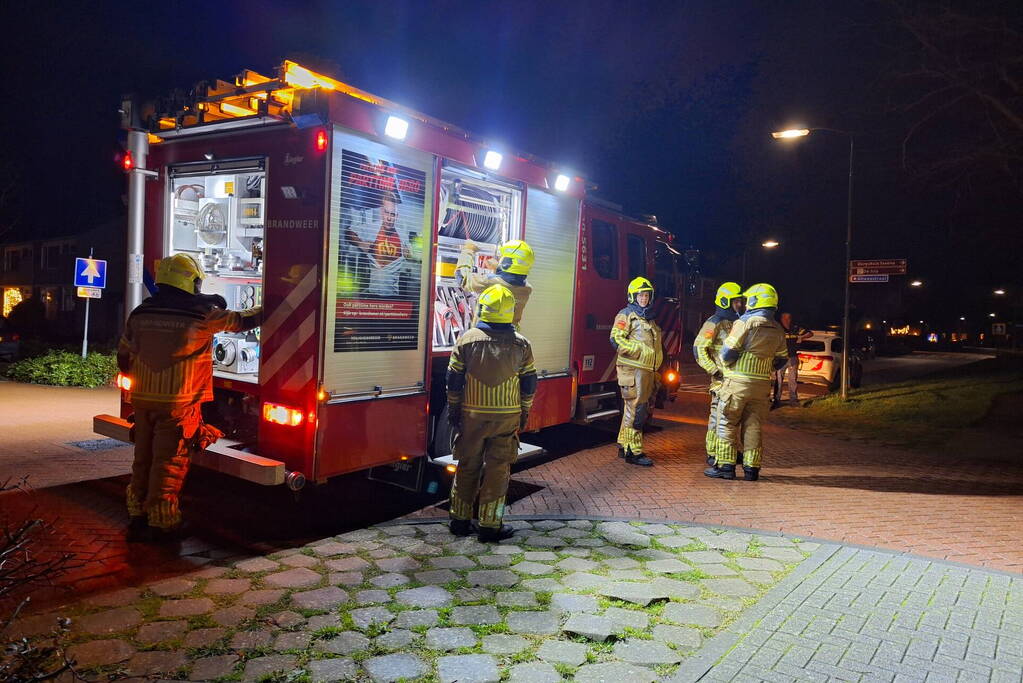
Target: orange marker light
(123,382)
(321,140)
(282,415)
(127,161)
(451,468)
(670,377)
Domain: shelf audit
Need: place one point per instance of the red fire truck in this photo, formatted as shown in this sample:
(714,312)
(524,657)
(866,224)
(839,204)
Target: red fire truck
(343,214)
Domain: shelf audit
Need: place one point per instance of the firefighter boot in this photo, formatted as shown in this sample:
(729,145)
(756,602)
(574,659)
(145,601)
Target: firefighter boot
(750,473)
(638,459)
(460,527)
(489,534)
(621,451)
(138,529)
(721,471)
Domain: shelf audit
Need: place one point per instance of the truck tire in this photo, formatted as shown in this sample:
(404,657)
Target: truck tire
(443,439)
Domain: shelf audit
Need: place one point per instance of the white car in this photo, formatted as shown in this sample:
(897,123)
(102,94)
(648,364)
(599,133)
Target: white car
(820,360)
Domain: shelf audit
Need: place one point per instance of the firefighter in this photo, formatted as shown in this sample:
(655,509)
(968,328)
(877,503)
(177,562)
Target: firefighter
(514,260)
(637,339)
(166,351)
(729,305)
(752,351)
(491,383)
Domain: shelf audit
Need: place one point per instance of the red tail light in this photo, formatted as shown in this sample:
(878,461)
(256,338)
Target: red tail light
(123,381)
(127,161)
(282,415)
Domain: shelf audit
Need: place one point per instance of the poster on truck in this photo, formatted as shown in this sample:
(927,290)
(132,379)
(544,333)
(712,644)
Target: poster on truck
(475,216)
(380,254)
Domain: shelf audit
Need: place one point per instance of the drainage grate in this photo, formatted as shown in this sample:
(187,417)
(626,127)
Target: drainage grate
(98,444)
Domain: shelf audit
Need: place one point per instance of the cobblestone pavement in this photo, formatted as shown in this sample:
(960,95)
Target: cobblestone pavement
(600,601)
(965,509)
(872,616)
(573,599)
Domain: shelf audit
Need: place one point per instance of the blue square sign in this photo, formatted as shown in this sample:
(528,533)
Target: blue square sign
(90,272)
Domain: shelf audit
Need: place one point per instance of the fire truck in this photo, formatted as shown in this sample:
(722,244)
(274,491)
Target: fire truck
(343,214)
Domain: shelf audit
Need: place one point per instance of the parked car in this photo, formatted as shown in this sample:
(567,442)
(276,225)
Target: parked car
(820,360)
(10,341)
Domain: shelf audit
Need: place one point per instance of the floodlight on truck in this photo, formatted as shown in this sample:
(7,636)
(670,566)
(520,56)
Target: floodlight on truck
(562,182)
(396,128)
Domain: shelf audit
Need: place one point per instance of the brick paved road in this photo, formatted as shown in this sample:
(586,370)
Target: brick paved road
(965,509)
(866,615)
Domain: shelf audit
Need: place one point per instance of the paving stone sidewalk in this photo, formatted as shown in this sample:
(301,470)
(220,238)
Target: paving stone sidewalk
(597,601)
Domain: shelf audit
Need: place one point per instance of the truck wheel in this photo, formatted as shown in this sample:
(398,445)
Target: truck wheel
(443,440)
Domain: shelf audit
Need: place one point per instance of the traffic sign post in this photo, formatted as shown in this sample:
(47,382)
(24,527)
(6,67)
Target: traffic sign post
(891,266)
(868,278)
(90,279)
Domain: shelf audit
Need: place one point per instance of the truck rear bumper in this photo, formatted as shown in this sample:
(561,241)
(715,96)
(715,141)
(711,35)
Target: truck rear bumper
(221,456)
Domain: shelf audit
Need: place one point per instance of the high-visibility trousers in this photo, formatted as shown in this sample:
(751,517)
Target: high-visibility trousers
(637,386)
(163,453)
(741,411)
(485,448)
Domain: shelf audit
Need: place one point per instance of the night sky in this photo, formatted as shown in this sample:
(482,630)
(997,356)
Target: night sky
(667,107)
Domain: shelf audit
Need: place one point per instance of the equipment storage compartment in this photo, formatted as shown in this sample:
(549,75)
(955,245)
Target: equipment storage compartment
(216,214)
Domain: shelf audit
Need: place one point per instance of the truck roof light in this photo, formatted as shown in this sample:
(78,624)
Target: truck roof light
(561,182)
(321,140)
(492,160)
(282,415)
(396,128)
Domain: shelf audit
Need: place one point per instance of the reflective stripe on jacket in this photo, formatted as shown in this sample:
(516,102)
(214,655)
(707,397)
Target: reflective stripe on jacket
(755,343)
(167,345)
(637,341)
(491,372)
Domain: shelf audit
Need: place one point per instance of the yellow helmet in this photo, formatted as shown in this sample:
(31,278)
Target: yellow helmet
(515,256)
(496,304)
(761,295)
(726,293)
(181,271)
(640,284)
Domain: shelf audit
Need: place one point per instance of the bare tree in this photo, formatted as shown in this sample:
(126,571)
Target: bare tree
(23,660)
(957,83)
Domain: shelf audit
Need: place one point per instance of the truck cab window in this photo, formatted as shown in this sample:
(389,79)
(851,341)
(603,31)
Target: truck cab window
(665,277)
(637,256)
(605,249)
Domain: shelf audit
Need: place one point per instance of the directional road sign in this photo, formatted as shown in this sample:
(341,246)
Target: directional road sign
(868,278)
(90,272)
(890,266)
(90,293)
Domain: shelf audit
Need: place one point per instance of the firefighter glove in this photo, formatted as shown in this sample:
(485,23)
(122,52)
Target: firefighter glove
(215,300)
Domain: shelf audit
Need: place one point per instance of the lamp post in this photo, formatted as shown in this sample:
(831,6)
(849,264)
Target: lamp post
(766,244)
(797,133)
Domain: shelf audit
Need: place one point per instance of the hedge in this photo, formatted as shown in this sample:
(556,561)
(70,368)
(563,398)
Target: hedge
(66,369)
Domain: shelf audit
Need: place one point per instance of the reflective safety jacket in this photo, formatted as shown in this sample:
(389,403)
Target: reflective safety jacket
(167,344)
(755,347)
(637,339)
(491,372)
(708,343)
(477,282)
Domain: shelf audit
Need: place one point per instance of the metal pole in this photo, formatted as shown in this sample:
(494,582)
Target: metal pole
(138,143)
(846,340)
(85,334)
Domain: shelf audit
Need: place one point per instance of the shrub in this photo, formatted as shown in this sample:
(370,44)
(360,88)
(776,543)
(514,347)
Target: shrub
(66,369)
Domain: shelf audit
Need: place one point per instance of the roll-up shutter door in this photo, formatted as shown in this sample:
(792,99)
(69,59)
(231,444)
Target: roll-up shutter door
(552,229)
(376,299)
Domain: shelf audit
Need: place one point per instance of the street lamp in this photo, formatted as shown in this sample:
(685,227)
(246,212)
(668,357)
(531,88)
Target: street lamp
(916,283)
(767,244)
(999,292)
(795,133)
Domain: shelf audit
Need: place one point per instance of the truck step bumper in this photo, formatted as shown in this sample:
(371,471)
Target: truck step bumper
(221,456)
